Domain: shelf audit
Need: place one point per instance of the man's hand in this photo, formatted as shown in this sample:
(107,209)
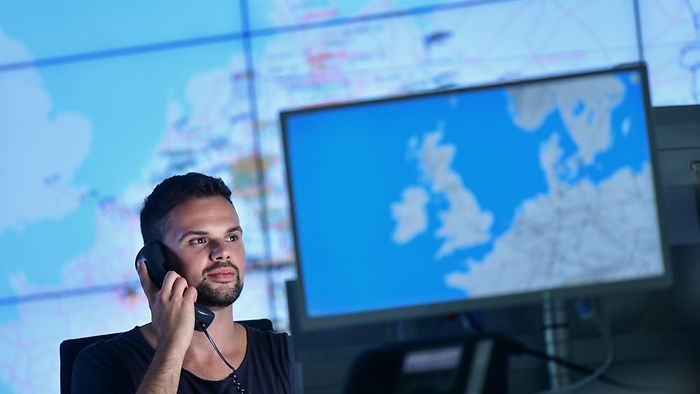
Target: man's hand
(172,309)
(172,318)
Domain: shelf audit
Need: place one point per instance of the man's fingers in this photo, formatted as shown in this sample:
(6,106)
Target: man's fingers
(149,288)
(179,287)
(168,282)
(190,294)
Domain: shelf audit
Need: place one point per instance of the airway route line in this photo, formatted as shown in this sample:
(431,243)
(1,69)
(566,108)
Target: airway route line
(80,291)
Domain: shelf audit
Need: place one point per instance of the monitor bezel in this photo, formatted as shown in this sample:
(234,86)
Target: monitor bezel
(309,322)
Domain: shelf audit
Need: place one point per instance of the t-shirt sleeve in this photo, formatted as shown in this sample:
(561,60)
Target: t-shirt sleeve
(95,371)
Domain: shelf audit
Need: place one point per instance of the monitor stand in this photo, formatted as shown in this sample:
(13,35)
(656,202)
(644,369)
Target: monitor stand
(556,340)
(695,167)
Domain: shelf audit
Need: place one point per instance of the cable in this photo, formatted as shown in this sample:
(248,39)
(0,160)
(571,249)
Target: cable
(218,351)
(520,348)
(235,376)
(605,333)
(469,321)
(516,347)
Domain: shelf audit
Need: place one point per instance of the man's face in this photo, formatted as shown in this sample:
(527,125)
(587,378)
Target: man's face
(206,238)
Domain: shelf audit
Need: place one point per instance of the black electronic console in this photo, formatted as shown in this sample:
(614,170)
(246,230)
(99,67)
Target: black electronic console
(153,255)
(464,364)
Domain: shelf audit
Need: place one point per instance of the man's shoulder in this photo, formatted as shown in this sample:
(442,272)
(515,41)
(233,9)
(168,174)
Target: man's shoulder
(113,364)
(124,345)
(256,335)
(270,343)
(115,341)
(268,355)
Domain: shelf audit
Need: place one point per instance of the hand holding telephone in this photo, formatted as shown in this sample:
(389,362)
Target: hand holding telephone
(153,255)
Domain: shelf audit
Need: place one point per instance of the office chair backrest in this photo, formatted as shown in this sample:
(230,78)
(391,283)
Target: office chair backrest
(71,347)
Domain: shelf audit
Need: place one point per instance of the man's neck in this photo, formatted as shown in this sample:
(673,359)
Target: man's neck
(231,340)
(222,330)
(229,337)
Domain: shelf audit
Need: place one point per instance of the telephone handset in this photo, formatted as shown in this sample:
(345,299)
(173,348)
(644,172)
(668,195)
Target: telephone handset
(153,255)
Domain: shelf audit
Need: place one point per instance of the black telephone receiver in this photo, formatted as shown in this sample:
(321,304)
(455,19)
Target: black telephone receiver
(153,255)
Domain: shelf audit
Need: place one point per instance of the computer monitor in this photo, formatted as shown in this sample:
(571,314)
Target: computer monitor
(469,198)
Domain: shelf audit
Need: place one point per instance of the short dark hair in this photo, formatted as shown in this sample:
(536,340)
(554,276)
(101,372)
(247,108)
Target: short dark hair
(172,192)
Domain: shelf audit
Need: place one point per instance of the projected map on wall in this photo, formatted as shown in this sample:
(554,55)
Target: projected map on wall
(98,102)
(475,194)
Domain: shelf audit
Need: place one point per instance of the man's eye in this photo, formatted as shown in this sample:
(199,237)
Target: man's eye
(233,237)
(197,241)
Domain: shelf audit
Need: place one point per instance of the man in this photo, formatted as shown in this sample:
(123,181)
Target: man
(193,217)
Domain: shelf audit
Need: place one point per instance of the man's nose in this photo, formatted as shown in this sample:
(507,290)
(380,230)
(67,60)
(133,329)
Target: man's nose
(220,250)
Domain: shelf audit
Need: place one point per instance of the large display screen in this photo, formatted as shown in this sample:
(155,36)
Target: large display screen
(487,195)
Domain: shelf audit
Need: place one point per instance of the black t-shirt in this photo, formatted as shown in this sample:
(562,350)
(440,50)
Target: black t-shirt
(117,365)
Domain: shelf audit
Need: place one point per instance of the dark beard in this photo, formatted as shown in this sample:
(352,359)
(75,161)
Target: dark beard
(207,296)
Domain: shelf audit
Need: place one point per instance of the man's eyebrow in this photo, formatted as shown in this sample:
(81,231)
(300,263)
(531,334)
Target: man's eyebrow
(191,232)
(200,232)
